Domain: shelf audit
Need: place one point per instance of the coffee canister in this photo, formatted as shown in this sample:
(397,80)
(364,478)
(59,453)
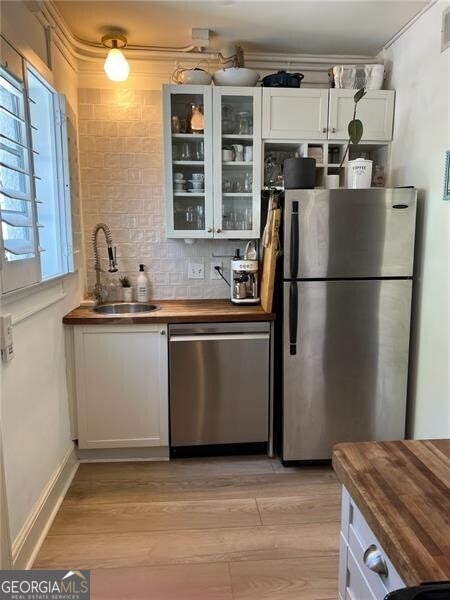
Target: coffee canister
(299,173)
(359,173)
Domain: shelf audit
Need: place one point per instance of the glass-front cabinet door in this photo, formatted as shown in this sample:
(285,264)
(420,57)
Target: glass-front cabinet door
(188,130)
(237,162)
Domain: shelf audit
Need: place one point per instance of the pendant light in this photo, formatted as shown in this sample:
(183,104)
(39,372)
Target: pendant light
(116,65)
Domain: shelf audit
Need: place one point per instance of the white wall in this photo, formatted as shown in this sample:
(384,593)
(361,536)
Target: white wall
(34,408)
(420,76)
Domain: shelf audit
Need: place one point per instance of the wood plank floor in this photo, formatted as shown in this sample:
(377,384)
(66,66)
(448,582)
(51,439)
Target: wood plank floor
(240,528)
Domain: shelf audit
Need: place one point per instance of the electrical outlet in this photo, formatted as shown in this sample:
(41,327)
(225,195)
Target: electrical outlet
(196,271)
(214,274)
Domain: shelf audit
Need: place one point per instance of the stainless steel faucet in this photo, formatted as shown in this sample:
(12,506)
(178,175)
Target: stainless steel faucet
(100,291)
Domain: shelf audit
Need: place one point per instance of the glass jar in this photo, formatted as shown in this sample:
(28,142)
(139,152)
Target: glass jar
(378,179)
(244,123)
(228,119)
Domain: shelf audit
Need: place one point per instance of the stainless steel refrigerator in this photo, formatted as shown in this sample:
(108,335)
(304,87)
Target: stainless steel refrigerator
(347,283)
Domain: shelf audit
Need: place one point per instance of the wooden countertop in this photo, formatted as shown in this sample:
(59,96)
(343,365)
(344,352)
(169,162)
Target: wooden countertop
(176,311)
(403,490)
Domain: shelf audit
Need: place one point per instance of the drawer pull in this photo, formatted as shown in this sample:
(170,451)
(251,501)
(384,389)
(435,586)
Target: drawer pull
(373,559)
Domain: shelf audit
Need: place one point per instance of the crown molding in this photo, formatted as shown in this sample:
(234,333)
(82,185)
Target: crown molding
(75,49)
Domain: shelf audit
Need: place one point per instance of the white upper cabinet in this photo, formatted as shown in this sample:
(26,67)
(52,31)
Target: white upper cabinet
(188,157)
(122,386)
(237,162)
(375,110)
(209,193)
(294,114)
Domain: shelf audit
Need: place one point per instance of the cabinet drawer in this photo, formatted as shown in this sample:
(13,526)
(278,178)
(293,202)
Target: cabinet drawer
(357,587)
(360,538)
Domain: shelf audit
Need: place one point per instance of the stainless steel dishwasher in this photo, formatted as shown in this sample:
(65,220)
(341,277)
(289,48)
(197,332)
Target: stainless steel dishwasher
(219,384)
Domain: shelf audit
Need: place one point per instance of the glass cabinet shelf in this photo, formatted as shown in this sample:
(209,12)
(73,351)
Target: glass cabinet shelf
(237,194)
(188,136)
(237,136)
(188,162)
(188,194)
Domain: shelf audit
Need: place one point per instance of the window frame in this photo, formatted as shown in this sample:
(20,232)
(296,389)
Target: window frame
(22,274)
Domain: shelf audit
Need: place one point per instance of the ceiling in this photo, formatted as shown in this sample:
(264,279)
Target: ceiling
(357,27)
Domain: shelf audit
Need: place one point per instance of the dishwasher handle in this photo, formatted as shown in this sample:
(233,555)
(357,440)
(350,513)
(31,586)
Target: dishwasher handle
(218,337)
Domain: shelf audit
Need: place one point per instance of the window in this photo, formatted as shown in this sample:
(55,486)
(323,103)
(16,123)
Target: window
(34,187)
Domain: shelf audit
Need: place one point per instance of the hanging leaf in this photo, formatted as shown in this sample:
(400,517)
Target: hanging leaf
(359,94)
(355,131)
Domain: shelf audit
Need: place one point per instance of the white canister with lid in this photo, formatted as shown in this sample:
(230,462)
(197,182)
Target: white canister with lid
(359,173)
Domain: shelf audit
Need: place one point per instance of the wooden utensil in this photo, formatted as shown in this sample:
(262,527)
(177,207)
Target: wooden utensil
(269,261)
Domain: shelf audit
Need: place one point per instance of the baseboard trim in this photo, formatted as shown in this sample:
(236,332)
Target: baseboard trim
(157,453)
(30,538)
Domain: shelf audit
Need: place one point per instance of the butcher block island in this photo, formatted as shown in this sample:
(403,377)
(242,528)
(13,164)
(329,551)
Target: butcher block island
(395,515)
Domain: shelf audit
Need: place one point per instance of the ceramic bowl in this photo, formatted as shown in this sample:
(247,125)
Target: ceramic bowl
(236,76)
(194,77)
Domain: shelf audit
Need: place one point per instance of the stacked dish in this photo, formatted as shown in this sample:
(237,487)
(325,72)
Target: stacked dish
(197,183)
(179,183)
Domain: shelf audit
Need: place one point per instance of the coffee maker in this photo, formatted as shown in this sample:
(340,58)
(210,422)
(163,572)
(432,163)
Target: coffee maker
(245,276)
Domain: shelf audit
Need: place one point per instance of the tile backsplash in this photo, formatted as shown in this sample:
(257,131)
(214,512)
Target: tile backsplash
(121,168)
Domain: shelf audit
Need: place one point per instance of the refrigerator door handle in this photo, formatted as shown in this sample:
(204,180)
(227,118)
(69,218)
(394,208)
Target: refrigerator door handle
(294,240)
(293,317)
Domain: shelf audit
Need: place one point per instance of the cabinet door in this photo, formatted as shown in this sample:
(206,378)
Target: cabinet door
(375,110)
(188,161)
(122,385)
(237,162)
(298,114)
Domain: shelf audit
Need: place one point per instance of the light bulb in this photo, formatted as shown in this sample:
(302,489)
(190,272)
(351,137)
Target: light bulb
(116,65)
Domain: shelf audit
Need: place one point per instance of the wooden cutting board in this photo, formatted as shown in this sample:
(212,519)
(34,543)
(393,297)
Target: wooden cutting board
(269,262)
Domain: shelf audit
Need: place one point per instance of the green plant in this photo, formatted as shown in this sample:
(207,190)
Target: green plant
(355,127)
(125,282)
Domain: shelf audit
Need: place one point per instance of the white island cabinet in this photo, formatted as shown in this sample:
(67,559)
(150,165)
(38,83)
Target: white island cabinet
(365,570)
(121,385)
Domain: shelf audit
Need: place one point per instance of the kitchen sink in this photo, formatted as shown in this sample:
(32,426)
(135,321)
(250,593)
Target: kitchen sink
(125,308)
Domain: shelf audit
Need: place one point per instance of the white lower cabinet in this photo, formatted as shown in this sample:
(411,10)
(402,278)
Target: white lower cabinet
(121,385)
(359,576)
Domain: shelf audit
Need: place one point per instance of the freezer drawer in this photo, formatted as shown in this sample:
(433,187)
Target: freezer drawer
(349,233)
(219,384)
(345,355)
